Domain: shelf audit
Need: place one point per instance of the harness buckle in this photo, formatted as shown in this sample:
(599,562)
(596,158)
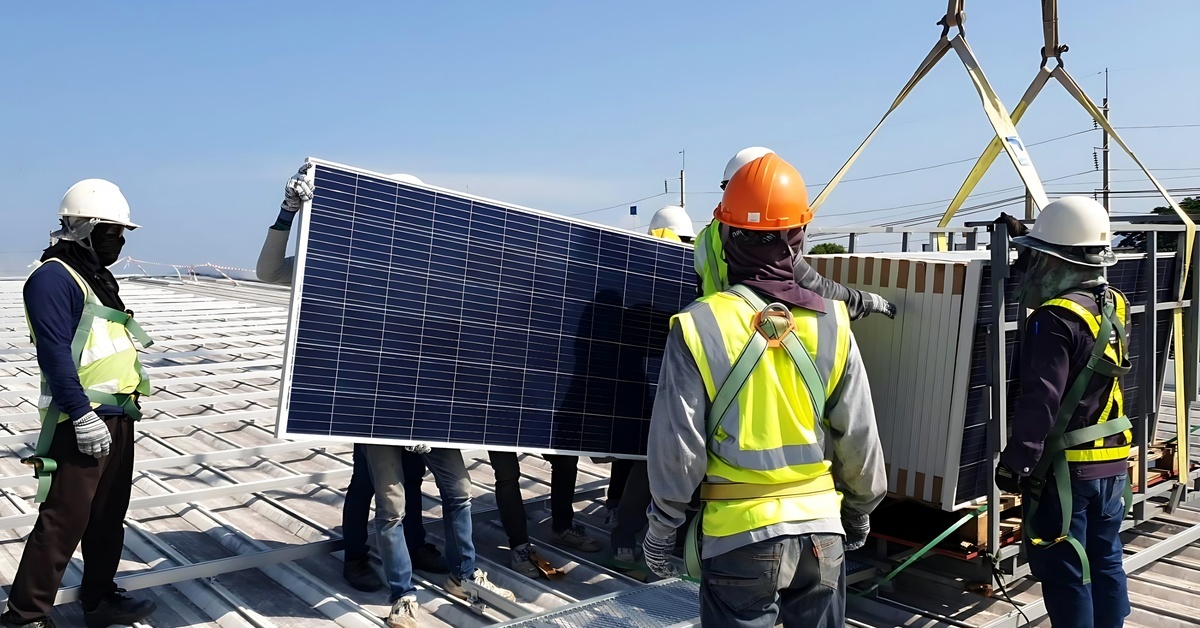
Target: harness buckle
(774,323)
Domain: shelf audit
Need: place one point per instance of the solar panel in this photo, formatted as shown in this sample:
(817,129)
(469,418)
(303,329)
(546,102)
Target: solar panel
(425,315)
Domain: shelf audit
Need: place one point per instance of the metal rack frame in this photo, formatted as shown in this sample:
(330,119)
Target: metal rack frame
(1150,502)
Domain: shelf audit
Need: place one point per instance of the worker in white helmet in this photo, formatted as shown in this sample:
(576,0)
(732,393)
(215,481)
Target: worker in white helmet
(673,223)
(1069,451)
(91,381)
(393,475)
(711,268)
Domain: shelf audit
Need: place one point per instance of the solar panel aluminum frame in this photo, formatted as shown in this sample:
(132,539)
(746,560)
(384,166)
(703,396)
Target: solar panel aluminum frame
(297,295)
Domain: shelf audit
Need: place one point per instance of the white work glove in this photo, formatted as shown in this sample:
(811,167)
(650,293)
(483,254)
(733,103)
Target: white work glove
(418,449)
(91,434)
(874,303)
(657,553)
(297,191)
(857,528)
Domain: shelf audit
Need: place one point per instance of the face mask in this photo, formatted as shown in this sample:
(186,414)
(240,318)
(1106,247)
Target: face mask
(107,246)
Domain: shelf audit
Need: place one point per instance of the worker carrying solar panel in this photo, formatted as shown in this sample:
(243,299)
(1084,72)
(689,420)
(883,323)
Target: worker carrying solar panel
(1069,450)
(763,403)
(711,266)
(91,379)
(392,475)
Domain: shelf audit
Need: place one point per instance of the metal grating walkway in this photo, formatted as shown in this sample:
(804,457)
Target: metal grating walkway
(667,603)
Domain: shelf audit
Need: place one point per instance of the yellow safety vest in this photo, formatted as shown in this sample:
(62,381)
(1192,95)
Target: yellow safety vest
(709,260)
(1081,305)
(108,366)
(766,454)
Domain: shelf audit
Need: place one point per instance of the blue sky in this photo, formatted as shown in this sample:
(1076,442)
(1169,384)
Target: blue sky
(201,110)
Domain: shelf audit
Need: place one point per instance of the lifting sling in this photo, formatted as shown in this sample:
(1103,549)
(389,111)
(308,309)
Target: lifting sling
(44,466)
(773,328)
(997,115)
(1054,456)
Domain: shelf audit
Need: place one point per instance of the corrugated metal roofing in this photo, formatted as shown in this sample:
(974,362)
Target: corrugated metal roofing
(240,525)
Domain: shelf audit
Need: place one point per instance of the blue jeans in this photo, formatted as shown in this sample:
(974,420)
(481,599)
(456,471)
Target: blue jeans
(356,512)
(450,474)
(1096,515)
(797,581)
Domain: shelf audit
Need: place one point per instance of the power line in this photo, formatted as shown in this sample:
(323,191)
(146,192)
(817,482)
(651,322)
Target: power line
(625,204)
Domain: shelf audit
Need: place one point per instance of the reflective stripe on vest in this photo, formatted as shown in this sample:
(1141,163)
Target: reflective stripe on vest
(770,434)
(709,260)
(1114,404)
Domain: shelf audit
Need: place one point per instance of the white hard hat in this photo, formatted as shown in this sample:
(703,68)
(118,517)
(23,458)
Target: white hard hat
(98,199)
(1074,228)
(673,217)
(743,157)
(406,178)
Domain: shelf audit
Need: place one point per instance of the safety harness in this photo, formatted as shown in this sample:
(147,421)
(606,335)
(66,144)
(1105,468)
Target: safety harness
(773,327)
(44,466)
(1106,361)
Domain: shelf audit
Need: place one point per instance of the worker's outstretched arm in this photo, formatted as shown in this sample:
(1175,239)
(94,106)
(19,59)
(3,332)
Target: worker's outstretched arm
(676,457)
(857,453)
(859,303)
(273,265)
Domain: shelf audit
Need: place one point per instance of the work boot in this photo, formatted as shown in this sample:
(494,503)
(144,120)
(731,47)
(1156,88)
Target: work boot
(428,558)
(574,537)
(625,558)
(6,620)
(359,573)
(522,562)
(406,613)
(118,609)
(455,587)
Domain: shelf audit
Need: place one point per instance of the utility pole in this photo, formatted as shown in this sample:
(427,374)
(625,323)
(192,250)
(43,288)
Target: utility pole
(683,167)
(1104,145)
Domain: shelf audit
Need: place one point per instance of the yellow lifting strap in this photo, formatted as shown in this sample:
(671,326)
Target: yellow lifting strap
(1052,48)
(997,115)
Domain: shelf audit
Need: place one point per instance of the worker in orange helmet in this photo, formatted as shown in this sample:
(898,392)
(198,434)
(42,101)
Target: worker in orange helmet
(763,403)
(711,270)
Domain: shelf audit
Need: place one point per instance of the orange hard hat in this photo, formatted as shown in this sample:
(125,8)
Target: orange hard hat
(766,194)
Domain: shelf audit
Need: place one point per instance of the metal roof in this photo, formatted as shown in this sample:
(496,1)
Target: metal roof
(229,526)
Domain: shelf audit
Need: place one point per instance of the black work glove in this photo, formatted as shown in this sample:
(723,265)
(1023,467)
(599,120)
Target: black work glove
(857,527)
(1015,228)
(1007,480)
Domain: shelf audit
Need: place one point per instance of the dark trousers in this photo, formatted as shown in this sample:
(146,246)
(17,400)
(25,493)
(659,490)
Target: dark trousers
(1097,512)
(796,581)
(617,480)
(356,512)
(563,472)
(87,502)
(631,512)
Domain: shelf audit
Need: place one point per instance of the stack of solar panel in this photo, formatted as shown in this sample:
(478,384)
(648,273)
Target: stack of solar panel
(929,367)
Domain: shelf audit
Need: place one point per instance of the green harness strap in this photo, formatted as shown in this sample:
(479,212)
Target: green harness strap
(746,361)
(1054,454)
(44,466)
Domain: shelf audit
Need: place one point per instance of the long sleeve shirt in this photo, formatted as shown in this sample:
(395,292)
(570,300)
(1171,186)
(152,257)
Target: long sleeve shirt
(677,450)
(54,303)
(273,264)
(1054,350)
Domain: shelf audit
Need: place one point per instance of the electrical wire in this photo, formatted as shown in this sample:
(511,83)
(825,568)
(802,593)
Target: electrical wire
(999,579)
(625,204)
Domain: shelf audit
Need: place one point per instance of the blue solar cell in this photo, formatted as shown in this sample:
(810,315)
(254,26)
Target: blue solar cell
(431,316)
